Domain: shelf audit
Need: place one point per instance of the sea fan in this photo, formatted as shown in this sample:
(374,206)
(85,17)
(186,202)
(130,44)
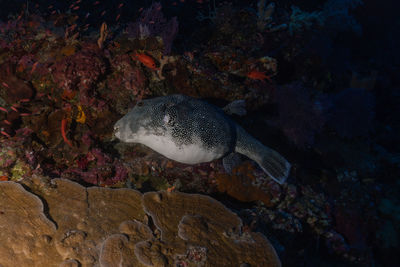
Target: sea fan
(153,23)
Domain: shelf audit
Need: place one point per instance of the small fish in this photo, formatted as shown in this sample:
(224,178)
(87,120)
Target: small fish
(257,75)
(120,5)
(34,66)
(3,109)
(63,132)
(5,134)
(146,60)
(5,84)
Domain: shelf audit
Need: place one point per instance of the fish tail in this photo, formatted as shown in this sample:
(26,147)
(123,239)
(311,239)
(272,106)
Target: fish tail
(276,166)
(270,161)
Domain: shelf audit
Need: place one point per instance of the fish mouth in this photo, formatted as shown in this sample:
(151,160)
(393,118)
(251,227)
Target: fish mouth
(114,137)
(117,131)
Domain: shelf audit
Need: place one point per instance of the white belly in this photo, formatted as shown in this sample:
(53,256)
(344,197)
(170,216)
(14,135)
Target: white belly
(189,154)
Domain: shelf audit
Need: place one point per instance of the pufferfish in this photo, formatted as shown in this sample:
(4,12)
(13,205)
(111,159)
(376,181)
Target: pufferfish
(191,131)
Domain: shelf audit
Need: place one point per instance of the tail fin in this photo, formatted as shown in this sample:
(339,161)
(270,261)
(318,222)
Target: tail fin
(276,166)
(272,163)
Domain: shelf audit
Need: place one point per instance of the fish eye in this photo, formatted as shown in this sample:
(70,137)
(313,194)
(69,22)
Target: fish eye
(140,103)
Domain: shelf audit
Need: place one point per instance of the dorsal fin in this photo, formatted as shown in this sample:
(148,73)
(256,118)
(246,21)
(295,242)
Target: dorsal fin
(237,107)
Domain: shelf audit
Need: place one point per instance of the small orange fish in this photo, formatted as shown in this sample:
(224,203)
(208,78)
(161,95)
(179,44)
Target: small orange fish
(258,75)
(147,60)
(171,189)
(34,67)
(63,132)
(6,134)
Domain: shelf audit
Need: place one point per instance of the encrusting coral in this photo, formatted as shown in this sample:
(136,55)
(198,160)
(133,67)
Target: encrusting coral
(61,223)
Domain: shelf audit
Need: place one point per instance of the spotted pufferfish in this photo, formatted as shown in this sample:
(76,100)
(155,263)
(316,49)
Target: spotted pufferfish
(191,131)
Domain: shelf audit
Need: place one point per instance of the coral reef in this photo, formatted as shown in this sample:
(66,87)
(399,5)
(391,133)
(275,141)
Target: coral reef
(80,71)
(68,224)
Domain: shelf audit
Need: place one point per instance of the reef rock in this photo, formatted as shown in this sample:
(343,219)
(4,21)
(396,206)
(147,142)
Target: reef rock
(61,223)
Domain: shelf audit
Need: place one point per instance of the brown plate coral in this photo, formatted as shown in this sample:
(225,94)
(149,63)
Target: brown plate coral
(61,223)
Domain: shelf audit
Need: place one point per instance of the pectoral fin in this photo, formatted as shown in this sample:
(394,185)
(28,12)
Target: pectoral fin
(231,161)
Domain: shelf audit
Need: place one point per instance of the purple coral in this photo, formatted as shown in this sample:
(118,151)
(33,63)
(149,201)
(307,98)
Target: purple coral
(153,23)
(98,168)
(301,115)
(352,113)
(81,70)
